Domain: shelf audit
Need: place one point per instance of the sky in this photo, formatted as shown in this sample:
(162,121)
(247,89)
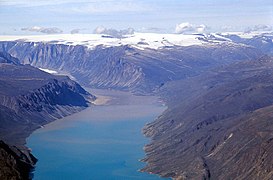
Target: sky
(158,16)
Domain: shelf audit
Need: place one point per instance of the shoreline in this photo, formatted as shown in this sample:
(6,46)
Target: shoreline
(109,98)
(118,97)
(104,112)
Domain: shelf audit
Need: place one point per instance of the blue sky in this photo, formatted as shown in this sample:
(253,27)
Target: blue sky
(141,15)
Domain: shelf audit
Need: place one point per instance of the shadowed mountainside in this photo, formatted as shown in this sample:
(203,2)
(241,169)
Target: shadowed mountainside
(30,98)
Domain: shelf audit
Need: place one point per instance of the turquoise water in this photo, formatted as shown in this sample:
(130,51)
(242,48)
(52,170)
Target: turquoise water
(102,142)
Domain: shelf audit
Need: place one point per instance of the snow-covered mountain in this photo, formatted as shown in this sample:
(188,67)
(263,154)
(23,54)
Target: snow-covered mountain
(140,62)
(140,40)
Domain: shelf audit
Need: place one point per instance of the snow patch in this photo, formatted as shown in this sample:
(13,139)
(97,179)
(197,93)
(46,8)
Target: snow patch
(49,71)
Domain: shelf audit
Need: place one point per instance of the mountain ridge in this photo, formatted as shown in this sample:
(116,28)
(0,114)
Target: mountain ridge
(125,67)
(144,40)
(30,98)
(216,126)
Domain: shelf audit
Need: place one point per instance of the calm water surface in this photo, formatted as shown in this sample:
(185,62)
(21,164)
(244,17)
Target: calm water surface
(101,142)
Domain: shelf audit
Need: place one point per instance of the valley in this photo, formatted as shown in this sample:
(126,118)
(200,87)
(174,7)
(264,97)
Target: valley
(217,89)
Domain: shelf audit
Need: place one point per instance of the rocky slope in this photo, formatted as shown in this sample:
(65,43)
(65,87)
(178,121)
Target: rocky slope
(14,163)
(126,67)
(30,98)
(218,125)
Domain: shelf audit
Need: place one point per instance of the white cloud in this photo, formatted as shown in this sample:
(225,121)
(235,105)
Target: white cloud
(201,28)
(75,31)
(50,30)
(100,30)
(186,27)
(260,27)
(113,32)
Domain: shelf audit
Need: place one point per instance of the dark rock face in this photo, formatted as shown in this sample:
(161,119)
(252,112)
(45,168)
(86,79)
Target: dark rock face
(15,164)
(30,98)
(218,125)
(125,67)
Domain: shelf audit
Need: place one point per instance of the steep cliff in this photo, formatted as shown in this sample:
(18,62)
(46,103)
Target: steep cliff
(126,67)
(35,98)
(14,163)
(30,98)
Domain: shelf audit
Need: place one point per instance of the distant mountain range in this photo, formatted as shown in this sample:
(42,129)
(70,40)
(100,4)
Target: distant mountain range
(126,66)
(217,88)
(143,41)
